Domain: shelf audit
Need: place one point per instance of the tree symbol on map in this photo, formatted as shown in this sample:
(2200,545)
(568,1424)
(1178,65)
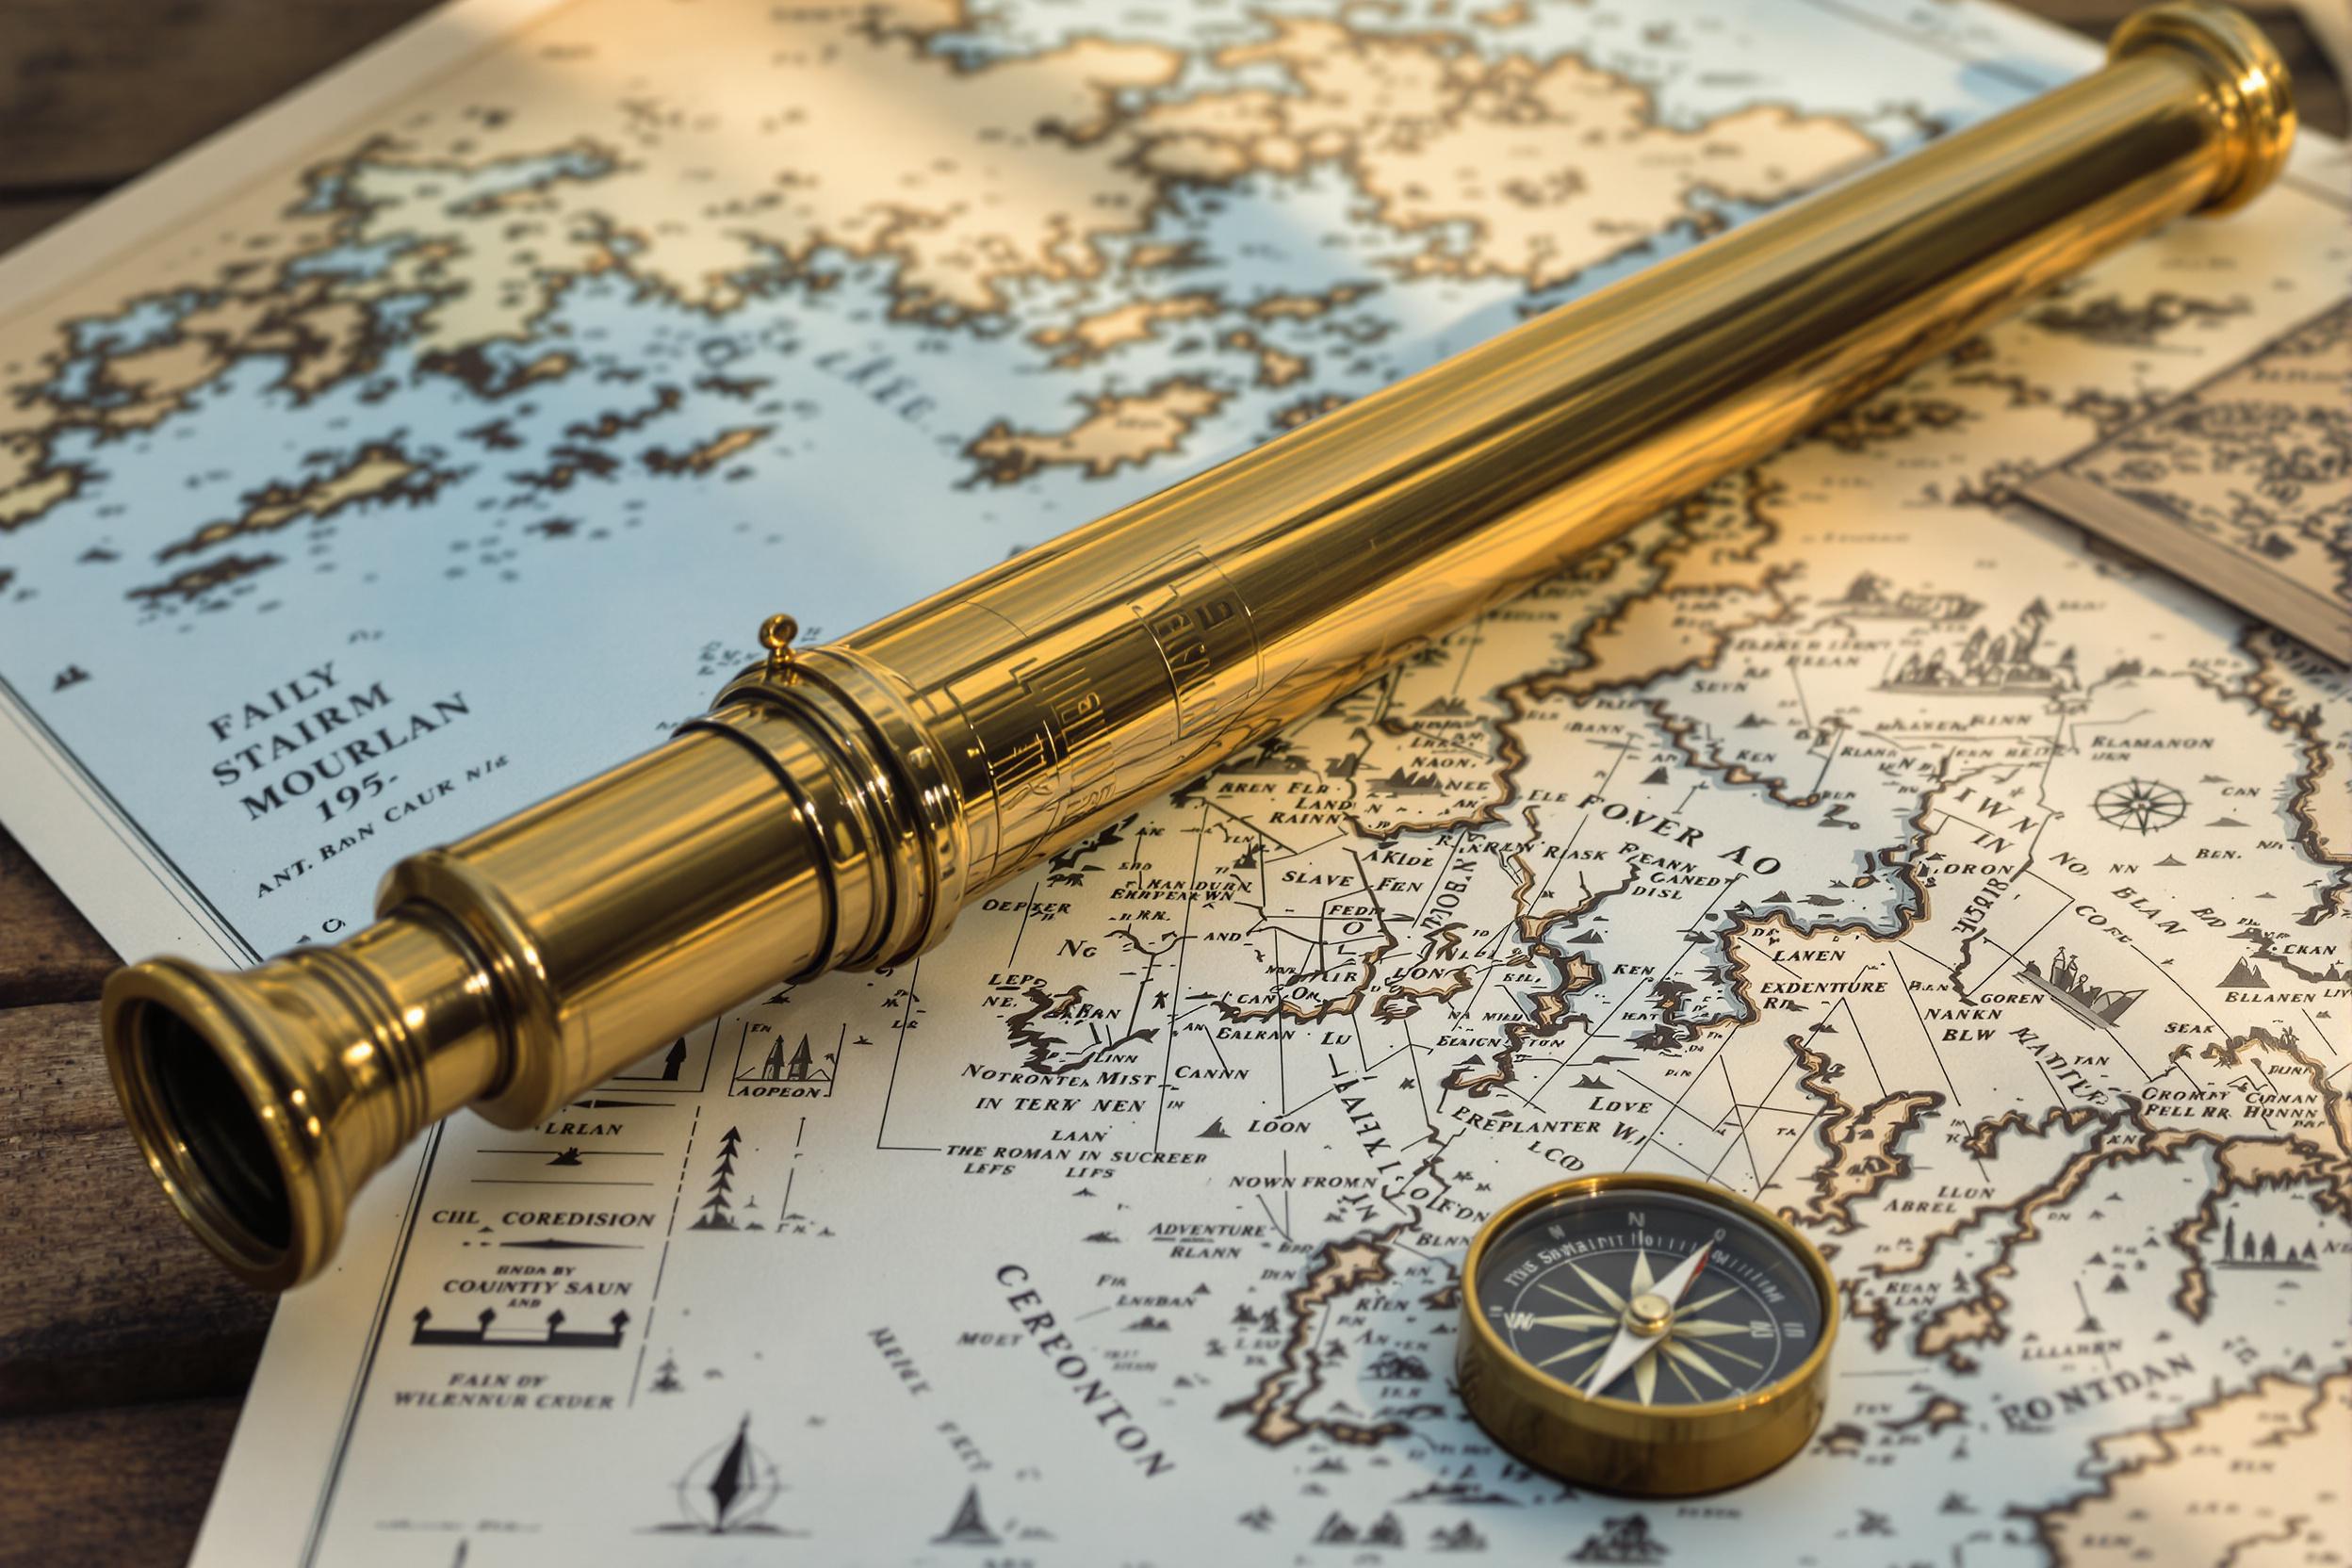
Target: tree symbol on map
(716,1211)
(2140,805)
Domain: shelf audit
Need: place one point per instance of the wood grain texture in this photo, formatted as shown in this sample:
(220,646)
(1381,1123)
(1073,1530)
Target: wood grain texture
(97,90)
(48,953)
(105,1297)
(125,1486)
(22,218)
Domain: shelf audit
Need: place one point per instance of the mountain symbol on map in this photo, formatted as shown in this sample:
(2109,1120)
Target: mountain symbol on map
(1338,1531)
(1625,1539)
(1996,664)
(1868,597)
(969,1528)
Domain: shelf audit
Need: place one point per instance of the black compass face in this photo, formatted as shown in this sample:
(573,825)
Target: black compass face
(1650,1296)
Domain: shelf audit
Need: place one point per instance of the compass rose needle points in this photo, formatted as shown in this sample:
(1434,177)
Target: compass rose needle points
(1636,1338)
(1579,1320)
(1573,1300)
(1616,1302)
(1642,1279)
(1682,1342)
(1690,1357)
(1581,1349)
(1703,1327)
(1706,1301)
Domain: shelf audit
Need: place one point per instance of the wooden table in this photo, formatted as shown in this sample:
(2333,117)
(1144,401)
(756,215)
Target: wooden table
(124,1350)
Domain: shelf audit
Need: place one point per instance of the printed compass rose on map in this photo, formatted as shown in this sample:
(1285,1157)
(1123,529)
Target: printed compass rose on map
(2140,805)
(727,1489)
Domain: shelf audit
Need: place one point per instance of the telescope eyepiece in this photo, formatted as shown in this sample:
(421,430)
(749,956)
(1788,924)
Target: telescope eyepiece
(264,1099)
(221,1155)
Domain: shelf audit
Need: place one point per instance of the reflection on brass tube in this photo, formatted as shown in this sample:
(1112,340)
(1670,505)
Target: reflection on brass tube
(840,803)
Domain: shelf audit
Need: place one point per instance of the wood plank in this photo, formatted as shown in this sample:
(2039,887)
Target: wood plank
(121,1486)
(105,1297)
(48,952)
(100,89)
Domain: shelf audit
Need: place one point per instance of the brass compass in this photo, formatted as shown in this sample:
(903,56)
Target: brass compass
(1645,1334)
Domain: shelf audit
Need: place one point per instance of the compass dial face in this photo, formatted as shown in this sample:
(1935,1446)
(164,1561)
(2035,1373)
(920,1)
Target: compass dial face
(1650,1296)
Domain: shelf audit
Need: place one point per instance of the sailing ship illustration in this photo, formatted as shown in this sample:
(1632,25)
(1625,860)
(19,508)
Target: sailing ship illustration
(1997,663)
(1868,597)
(2070,986)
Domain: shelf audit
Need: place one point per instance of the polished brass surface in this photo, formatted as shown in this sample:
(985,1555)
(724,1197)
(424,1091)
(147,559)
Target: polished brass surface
(1648,1316)
(840,803)
(1617,1445)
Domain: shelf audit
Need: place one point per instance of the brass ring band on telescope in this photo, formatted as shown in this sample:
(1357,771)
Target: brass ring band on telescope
(842,803)
(1617,1445)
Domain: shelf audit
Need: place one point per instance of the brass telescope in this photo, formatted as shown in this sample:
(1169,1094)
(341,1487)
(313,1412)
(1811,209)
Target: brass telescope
(840,803)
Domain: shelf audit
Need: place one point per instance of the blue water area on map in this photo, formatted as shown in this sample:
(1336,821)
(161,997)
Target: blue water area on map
(559,567)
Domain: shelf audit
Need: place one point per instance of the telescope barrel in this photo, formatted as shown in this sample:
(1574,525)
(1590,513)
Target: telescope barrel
(840,803)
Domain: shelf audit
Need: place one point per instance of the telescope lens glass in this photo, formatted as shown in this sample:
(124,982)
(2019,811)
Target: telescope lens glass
(210,1116)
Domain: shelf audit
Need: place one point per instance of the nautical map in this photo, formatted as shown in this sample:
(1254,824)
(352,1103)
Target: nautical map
(1851,836)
